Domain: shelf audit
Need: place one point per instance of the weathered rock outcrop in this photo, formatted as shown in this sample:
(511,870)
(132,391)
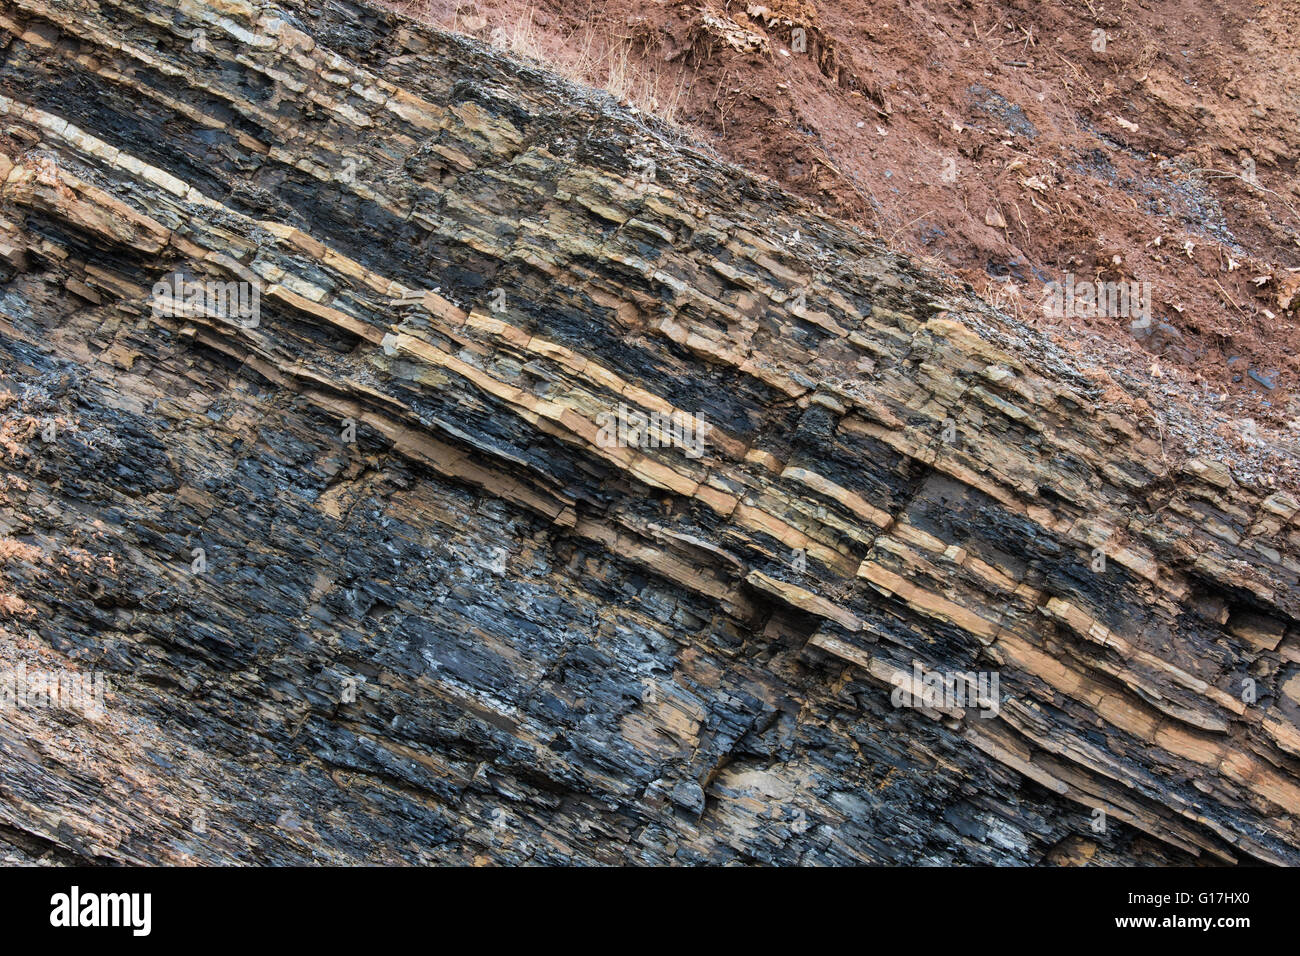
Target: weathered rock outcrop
(370,584)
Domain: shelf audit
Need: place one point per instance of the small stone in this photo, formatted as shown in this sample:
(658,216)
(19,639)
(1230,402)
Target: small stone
(1266,382)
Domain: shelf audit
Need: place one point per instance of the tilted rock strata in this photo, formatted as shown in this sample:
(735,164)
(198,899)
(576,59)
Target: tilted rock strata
(563,651)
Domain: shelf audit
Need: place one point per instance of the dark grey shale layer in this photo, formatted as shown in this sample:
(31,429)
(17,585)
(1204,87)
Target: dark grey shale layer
(565,652)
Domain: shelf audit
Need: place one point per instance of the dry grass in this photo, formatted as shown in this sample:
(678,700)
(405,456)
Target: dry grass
(602,58)
(649,91)
(520,39)
(1005,297)
(593,55)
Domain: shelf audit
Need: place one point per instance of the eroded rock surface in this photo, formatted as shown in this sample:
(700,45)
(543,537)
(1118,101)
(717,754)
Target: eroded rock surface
(369,584)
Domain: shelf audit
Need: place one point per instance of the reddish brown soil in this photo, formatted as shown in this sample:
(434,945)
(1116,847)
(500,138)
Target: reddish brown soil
(993,137)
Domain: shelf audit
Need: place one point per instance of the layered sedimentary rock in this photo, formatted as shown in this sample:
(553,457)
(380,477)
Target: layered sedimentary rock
(370,581)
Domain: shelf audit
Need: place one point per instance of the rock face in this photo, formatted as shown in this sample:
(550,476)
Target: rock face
(391,564)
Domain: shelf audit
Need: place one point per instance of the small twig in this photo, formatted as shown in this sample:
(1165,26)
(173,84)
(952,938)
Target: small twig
(1228,297)
(1222,174)
(1069,64)
(907,225)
